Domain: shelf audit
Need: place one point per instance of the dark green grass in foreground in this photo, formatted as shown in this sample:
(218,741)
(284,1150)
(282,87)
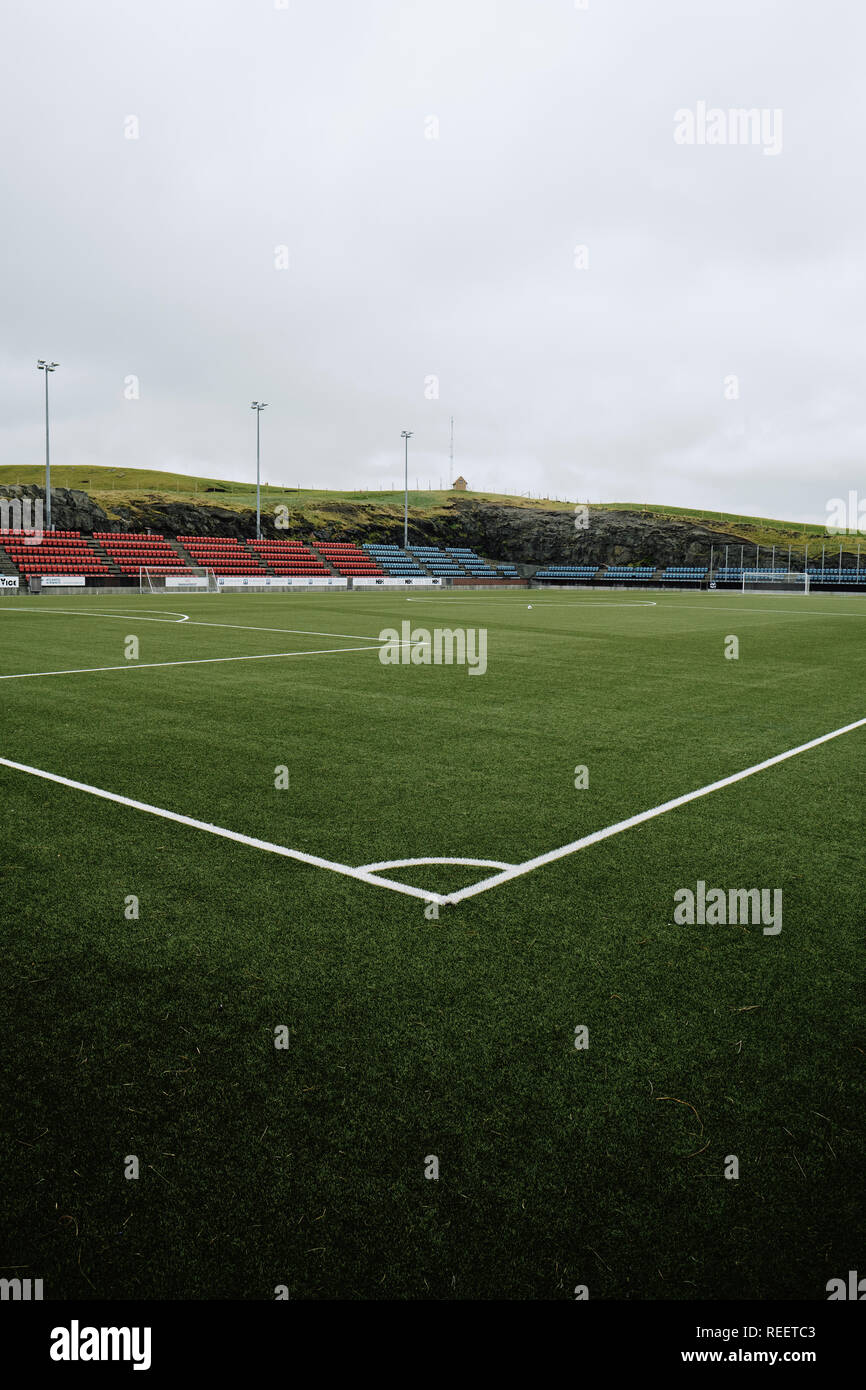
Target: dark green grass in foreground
(412,1037)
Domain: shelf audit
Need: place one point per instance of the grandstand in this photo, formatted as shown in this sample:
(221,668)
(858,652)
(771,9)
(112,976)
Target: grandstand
(817,575)
(437,562)
(736,572)
(119,558)
(348,560)
(394,561)
(684,574)
(224,557)
(285,557)
(629,573)
(132,552)
(54,553)
(472,563)
(559,574)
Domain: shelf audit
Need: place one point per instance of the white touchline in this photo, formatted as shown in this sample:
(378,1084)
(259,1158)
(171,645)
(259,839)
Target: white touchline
(192,661)
(515,872)
(249,840)
(366,872)
(197,661)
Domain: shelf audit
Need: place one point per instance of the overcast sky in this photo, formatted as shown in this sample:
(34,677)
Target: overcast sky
(434,170)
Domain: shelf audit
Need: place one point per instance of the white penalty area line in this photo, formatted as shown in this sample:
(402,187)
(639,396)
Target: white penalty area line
(192,622)
(440,597)
(367,874)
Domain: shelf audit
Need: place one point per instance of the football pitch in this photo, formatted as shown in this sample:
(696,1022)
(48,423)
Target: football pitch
(331,953)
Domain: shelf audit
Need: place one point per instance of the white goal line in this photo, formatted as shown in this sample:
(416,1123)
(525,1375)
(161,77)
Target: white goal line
(516,870)
(366,874)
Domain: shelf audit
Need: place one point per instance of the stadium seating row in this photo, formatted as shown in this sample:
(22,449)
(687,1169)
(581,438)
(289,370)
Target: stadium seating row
(838,577)
(127,536)
(35,531)
(348,559)
(394,561)
(471,562)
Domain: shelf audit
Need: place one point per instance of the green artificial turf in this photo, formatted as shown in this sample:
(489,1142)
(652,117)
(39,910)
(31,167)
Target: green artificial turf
(412,1036)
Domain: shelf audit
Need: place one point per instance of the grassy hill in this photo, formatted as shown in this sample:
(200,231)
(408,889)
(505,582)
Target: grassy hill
(107,485)
(112,488)
(126,484)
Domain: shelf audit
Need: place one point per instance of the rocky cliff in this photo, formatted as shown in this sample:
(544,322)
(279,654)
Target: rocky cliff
(528,536)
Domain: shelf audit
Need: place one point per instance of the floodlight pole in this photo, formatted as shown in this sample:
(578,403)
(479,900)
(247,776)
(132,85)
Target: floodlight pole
(47,367)
(258,407)
(406,435)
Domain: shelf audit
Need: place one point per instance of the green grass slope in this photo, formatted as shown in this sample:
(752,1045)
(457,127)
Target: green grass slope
(114,487)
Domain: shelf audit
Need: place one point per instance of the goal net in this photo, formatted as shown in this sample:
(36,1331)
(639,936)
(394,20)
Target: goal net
(775,582)
(196,579)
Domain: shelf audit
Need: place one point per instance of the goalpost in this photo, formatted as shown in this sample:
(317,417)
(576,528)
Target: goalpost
(195,580)
(775,582)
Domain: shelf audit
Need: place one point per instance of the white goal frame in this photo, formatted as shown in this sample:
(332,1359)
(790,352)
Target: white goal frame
(152,582)
(775,581)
